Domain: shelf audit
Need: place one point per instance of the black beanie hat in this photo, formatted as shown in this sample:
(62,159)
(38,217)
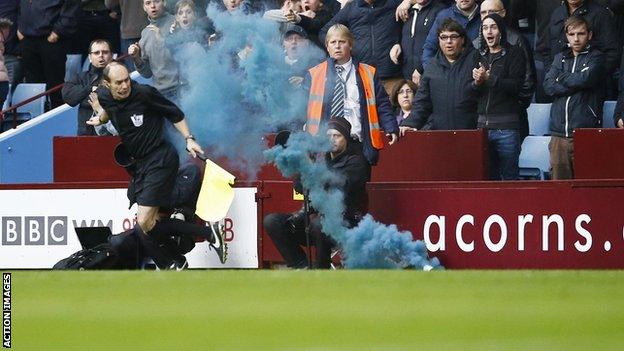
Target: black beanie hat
(341,125)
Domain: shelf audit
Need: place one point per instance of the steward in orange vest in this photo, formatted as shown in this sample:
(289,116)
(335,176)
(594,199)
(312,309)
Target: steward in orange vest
(376,115)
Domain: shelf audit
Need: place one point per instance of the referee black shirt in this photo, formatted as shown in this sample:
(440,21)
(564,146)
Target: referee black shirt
(139,117)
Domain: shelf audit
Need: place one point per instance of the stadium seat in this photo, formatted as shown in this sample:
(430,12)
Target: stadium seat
(607,114)
(25,91)
(539,118)
(534,160)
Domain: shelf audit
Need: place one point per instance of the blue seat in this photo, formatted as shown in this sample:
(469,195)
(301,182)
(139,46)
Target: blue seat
(534,162)
(539,119)
(24,91)
(607,114)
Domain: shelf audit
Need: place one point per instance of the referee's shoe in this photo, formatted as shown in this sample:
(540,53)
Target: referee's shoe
(219,245)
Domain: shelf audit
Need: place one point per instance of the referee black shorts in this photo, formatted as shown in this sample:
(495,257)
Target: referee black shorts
(155,177)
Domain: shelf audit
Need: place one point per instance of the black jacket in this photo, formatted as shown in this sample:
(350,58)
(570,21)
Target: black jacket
(446,96)
(576,84)
(9,9)
(356,171)
(313,26)
(77,90)
(602,25)
(139,117)
(499,105)
(375,30)
(39,18)
(515,38)
(412,46)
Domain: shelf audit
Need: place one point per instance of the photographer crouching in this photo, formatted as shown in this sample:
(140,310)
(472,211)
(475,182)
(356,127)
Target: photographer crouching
(288,230)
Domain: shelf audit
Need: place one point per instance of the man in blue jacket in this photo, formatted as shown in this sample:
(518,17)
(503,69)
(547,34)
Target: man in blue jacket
(44,28)
(575,80)
(419,18)
(464,12)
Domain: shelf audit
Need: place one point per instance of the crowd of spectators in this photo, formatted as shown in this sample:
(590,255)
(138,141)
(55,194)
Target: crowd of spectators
(446,64)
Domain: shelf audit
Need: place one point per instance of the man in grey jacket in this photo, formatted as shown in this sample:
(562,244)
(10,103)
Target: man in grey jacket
(151,56)
(133,20)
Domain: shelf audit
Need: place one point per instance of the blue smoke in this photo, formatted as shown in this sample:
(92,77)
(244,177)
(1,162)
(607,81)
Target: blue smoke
(368,245)
(232,103)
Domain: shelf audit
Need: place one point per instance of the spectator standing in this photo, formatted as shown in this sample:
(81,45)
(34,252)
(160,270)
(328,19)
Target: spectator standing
(464,12)
(515,38)
(289,7)
(200,7)
(5,27)
(402,98)
(299,53)
(601,22)
(44,28)
(312,19)
(498,80)
(376,33)
(446,98)
(419,18)
(132,21)
(12,56)
(96,21)
(576,81)
(341,87)
(618,115)
(151,56)
(76,91)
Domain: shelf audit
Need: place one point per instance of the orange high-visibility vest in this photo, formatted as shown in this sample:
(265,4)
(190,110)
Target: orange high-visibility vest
(317,93)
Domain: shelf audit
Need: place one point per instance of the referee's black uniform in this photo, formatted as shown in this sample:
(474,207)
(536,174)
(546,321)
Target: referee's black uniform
(139,120)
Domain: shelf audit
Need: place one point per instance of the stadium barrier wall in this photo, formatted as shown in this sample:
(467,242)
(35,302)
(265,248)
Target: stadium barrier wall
(38,221)
(26,151)
(467,224)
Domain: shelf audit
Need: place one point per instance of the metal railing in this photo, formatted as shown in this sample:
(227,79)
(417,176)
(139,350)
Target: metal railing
(13,109)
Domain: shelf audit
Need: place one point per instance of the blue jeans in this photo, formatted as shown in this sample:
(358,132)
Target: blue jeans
(504,150)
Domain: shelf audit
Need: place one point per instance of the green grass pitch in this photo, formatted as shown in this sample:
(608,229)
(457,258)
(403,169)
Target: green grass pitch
(318,310)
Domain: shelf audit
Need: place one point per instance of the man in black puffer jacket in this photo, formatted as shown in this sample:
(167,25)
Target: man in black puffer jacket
(575,80)
(601,22)
(415,31)
(445,98)
(76,91)
(376,32)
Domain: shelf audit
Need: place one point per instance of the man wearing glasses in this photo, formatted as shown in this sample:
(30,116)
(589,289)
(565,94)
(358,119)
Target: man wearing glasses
(77,90)
(464,12)
(446,98)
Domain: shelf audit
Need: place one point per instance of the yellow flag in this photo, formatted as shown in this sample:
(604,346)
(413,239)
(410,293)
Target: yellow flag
(216,194)
(297,196)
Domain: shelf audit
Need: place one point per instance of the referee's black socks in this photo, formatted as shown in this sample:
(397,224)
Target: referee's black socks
(176,227)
